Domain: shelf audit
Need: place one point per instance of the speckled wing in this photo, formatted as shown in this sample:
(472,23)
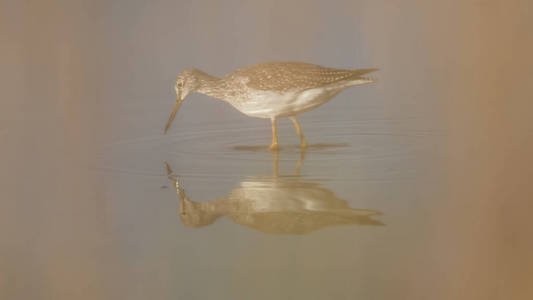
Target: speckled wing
(298,76)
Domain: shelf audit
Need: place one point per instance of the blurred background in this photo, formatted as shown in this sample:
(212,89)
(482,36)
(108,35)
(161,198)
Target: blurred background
(440,146)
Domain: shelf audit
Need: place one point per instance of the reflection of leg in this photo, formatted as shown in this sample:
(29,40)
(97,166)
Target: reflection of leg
(303,143)
(274,144)
(275,155)
(300,162)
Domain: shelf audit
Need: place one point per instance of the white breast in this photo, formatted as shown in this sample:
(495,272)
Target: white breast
(269,104)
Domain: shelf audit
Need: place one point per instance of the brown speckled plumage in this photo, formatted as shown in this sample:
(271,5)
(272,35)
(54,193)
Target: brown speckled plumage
(285,76)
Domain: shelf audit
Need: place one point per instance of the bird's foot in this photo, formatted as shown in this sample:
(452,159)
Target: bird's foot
(274,146)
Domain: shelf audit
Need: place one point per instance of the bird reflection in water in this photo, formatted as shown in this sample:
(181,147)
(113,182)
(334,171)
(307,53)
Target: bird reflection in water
(278,204)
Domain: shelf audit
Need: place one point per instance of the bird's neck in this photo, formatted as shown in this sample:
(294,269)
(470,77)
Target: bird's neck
(211,85)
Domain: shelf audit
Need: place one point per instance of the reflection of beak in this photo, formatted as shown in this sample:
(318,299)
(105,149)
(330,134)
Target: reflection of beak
(174,111)
(182,205)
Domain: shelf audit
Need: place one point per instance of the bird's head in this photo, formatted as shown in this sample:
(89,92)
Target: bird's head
(188,82)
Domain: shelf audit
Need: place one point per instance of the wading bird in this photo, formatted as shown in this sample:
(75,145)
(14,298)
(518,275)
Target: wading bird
(270,90)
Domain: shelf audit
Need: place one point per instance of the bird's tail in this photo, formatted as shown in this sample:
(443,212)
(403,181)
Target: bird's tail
(360,79)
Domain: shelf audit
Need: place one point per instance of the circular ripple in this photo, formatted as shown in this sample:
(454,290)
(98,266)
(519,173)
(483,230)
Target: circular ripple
(227,149)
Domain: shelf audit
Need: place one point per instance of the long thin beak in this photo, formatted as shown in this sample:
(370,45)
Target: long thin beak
(174,111)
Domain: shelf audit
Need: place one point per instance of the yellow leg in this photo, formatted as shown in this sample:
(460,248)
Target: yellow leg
(303,143)
(274,145)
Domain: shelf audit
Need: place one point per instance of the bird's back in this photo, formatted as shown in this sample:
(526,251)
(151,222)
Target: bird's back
(295,76)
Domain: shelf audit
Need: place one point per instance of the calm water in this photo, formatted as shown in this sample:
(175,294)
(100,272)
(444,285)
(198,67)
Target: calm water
(415,187)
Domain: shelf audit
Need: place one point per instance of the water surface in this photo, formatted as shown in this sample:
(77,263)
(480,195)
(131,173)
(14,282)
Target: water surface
(415,187)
